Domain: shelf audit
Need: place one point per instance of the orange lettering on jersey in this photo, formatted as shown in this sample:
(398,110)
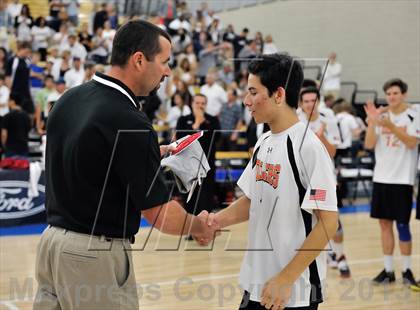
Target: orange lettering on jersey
(391,139)
(270,174)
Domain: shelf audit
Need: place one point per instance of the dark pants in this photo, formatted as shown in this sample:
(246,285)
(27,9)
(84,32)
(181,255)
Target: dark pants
(203,197)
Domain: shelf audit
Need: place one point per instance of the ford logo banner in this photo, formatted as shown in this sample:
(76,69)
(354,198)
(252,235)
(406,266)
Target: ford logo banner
(16,207)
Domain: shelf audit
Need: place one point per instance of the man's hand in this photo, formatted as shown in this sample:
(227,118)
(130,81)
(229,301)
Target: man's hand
(165,149)
(276,292)
(321,130)
(211,228)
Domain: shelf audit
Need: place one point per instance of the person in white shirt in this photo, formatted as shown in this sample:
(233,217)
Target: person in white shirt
(40,35)
(394,133)
(332,76)
(76,75)
(216,95)
(14,8)
(76,49)
(327,130)
(289,196)
(348,126)
(4,97)
(269,47)
(179,108)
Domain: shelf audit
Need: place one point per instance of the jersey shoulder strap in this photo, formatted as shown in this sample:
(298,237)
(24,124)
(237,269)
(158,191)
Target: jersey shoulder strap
(295,170)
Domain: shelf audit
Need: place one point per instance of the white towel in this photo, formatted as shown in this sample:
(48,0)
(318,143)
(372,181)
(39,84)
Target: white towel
(189,165)
(34,175)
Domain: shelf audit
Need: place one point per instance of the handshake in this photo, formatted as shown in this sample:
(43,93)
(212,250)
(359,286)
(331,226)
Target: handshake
(209,228)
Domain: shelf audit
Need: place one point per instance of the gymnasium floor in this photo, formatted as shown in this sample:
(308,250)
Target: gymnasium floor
(172,277)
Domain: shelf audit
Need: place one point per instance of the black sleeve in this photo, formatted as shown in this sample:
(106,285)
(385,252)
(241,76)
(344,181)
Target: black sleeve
(137,162)
(5,122)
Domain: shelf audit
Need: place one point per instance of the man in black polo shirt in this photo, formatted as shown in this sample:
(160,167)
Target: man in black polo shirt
(102,172)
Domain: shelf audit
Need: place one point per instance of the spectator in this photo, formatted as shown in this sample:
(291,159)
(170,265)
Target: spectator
(15,129)
(76,75)
(61,65)
(76,49)
(3,60)
(60,37)
(72,7)
(89,71)
(6,25)
(36,74)
(229,35)
(60,88)
(180,41)
(332,76)
(23,24)
(100,17)
(179,108)
(100,48)
(190,55)
(40,35)
(108,32)
(230,122)
(112,16)
(185,70)
(85,38)
(269,46)
(215,31)
(349,129)
(226,73)
(208,58)
(4,97)
(41,104)
(238,44)
(215,94)
(17,76)
(259,40)
(14,8)
(246,54)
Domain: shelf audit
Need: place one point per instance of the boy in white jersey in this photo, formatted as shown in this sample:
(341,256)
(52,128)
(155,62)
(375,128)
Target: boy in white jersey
(326,128)
(393,133)
(289,199)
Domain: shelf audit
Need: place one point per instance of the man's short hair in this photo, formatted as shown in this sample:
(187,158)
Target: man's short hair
(396,82)
(200,95)
(309,83)
(23,45)
(136,36)
(310,90)
(279,70)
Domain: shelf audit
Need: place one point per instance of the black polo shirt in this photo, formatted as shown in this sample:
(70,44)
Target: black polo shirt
(102,160)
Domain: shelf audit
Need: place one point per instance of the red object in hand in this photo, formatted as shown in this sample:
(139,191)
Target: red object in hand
(186,142)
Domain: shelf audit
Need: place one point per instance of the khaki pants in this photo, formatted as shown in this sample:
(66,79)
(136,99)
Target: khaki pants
(77,271)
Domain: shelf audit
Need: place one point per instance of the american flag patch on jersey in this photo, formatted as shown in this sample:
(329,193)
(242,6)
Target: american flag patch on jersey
(318,194)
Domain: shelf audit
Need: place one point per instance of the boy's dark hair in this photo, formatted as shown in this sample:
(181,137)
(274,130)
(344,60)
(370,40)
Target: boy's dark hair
(308,83)
(396,82)
(135,36)
(310,90)
(279,70)
(200,95)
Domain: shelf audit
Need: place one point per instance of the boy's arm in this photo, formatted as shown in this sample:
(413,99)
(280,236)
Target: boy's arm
(236,213)
(277,290)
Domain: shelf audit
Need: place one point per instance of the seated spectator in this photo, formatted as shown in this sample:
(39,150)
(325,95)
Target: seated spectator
(208,58)
(15,129)
(226,73)
(76,75)
(76,49)
(230,122)
(269,46)
(61,65)
(179,108)
(100,48)
(85,38)
(185,69)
